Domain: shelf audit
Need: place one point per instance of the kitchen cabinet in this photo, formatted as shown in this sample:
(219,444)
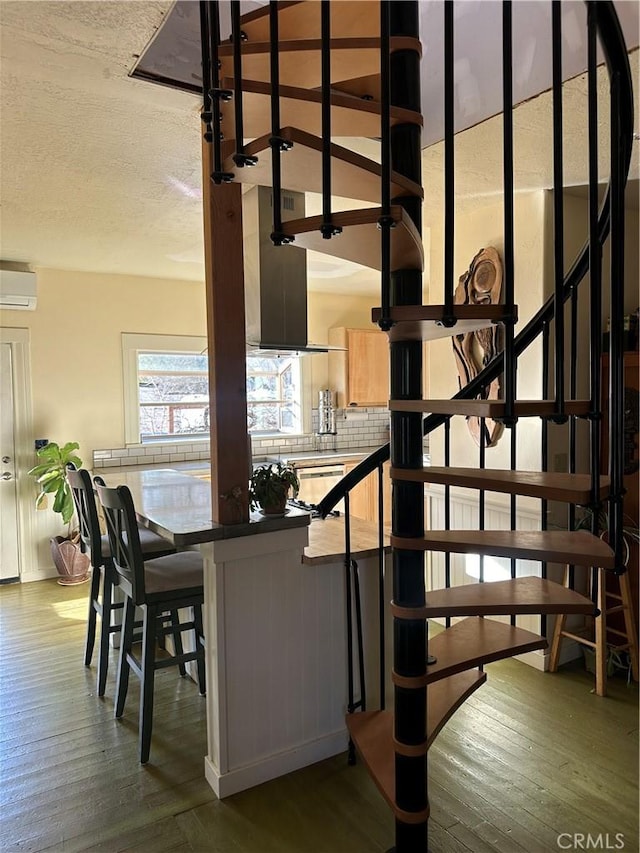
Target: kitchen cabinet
(363,499)
(360,374)
(317,480)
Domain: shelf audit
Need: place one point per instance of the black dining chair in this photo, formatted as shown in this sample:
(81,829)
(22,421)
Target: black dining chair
(171,583)
(104,577)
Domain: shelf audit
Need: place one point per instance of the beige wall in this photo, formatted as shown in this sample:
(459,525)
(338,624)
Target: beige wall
(327,310)
(483,226)
(76,356)
(76,352)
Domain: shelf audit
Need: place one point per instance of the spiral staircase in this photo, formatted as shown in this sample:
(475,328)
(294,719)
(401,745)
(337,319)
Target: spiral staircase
(293,79)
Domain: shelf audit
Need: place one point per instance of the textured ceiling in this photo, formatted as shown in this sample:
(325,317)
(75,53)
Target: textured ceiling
(101,172)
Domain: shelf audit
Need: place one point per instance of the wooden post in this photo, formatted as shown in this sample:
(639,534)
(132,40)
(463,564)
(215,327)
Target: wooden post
(224,283)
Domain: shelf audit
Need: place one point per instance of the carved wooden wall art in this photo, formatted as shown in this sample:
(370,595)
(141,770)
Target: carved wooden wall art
(480,285)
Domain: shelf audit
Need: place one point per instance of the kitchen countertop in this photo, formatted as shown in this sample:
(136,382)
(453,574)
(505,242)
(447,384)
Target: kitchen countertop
(176,503)
(177,506)
(322,457)
(326,541)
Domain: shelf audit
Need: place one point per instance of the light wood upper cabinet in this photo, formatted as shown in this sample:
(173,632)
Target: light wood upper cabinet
(361,374)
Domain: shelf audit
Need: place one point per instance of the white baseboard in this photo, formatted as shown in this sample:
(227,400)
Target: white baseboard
(570,650)
(226,784)
(41,573)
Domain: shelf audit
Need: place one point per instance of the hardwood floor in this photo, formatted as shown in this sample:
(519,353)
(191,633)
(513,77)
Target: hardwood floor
(530,756)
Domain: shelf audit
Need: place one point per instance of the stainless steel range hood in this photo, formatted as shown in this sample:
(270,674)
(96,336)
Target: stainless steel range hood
(275,279)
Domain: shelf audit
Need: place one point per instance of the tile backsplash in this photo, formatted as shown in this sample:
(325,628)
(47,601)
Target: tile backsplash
(355,428)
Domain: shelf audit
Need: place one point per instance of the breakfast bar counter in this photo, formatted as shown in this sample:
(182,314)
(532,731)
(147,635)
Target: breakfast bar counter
(274,622)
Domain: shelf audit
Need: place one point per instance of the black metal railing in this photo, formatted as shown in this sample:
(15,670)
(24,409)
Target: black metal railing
(604,222)
(556,326)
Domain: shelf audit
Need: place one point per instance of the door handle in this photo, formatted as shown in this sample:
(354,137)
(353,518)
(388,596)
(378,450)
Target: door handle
(6,475)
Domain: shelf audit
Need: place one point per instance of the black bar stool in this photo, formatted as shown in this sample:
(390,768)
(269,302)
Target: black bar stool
(158,585)
(95,544)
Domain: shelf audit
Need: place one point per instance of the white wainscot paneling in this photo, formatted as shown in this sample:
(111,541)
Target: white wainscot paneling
(464,515)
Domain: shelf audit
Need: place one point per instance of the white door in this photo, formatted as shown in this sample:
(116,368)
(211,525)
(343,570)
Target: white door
(9,552)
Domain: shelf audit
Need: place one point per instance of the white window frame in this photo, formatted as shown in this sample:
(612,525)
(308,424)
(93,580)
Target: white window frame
(133,343)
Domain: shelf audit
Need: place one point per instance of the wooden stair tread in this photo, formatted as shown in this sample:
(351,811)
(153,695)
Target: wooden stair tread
(470,643)
(490,408)
(502,598)
(576,547)
(424,322)
(372,731)
(573,488)
(360,239)
(302,107)
(365,86)
(355,175)
(301,20)
(300,59)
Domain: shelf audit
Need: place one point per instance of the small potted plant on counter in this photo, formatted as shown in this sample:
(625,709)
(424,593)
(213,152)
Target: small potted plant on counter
(269,487)
(51,475)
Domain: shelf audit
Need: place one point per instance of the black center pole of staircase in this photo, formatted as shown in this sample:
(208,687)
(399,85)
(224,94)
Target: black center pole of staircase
(216,94)
(558,202)
(239,158)
(595,259)
(510,361)
(327,229)
(410,636)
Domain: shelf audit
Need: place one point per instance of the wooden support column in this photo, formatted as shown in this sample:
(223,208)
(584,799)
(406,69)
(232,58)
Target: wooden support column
(224,284)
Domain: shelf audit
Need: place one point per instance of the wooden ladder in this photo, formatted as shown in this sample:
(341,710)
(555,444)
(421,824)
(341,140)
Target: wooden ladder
(621,602)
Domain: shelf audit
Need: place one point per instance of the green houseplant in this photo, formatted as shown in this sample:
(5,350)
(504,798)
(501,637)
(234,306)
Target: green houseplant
(51,476)
(270,485)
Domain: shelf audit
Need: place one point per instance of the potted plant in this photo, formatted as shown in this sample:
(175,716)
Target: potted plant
(51,475)
(270,485)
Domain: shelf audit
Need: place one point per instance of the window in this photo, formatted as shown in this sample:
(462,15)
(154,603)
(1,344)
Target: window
(167,392)
(173,394)
(274,395)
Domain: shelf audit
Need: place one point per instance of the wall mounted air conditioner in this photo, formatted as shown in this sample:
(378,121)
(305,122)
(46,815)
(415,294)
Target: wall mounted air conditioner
(18,290)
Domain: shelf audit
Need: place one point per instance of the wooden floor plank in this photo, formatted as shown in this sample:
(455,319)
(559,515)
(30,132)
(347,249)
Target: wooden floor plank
(527,757)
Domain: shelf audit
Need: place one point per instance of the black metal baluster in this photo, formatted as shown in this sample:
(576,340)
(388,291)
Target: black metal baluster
(385,223)
(351,759)
(510,362)
(558,212)
(237,36)
(449,166)
(573,388)
(616,327)
(218,176)
(481,494)
(381,593)
(447,508)
(544,504)
(327,229)
(276,143)
(595,262)
(513,507)
(205,42)
(362,702)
